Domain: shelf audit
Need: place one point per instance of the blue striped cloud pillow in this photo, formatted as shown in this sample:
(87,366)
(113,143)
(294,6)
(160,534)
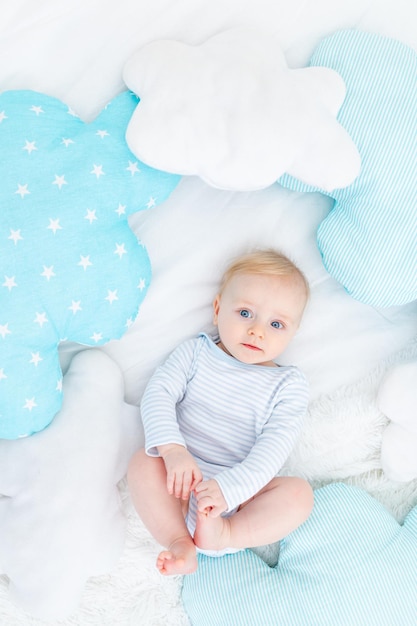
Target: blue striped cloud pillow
(349,564)
(369,240)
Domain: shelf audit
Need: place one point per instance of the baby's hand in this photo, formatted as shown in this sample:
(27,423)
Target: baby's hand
(183,473)
(210,499)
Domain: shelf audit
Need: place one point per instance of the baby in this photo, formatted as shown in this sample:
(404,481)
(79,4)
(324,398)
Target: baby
(220,419)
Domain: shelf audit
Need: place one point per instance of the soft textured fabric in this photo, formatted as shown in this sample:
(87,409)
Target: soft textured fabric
(231,111)
(368,241)
(397,399)
(71,268)
(62,520)
(350,563)
(240,421)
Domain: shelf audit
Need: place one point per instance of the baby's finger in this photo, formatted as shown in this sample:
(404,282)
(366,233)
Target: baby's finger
(214,511)
(204,503)
(197,478)
(170,482)
(178,485)
(201,488)
(195,484)
(186,485)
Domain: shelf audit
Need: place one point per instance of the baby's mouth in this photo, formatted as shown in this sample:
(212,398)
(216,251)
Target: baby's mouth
(251,347)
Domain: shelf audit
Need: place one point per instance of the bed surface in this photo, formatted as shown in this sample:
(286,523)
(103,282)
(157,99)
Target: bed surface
(77,52)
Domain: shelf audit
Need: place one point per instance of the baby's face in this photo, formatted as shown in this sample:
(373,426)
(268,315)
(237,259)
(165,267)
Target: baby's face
(257,316)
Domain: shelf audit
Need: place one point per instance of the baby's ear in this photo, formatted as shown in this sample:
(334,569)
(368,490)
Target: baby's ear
(216,307)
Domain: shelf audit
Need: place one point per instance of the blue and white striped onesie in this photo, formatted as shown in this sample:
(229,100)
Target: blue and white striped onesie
(239,421)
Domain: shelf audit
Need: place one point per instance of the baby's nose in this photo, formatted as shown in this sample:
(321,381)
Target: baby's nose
(257,330)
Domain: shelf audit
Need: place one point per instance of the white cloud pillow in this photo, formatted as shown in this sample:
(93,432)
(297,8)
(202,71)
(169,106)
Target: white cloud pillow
(60,510)
(232,112)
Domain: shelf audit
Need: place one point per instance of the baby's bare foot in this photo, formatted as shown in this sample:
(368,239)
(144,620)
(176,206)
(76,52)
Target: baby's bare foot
(212,533)
(179,558)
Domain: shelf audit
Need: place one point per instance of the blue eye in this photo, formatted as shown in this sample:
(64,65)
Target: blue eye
(276,325)
(245,313)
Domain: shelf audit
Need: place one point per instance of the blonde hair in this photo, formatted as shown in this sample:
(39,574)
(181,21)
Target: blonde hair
(267,262)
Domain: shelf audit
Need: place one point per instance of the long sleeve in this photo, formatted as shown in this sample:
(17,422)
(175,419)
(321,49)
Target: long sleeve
(165,389)
(271,449)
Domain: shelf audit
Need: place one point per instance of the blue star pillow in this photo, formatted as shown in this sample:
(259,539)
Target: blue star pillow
(350,563)
(368,241)
(71,268)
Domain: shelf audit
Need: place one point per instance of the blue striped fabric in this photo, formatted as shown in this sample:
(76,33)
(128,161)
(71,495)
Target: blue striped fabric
(350,564)
(369,240)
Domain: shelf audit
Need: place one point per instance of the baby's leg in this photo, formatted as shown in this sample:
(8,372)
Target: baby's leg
(274,512)
(161,513)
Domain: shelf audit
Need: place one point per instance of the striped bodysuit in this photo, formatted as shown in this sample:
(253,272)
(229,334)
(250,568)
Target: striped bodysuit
(239,421)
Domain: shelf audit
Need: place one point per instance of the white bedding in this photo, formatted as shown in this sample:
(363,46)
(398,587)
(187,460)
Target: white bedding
(76,51)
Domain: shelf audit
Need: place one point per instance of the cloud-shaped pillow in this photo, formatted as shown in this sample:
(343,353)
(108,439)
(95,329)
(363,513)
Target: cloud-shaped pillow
(232,112)
(350,563)
(397,399)
(368,241)
(71,268)
(61,517)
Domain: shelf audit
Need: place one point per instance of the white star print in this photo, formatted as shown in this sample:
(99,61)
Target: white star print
(15,236)
(142,284)
(48,272)
(40,319)
(36,109)
(91,215)
(36,358)
(97,170)
(9,282)
(54,225)
(111,296)
(120,250)
(151,203)
(4,330)
(75,306)
(60,181)
(72,112)
(22,190)
(133,168)
(85,261)
(30,404)
(27,141)
(29,146)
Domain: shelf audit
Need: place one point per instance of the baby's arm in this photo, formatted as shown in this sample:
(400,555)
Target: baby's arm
(210,498)
(183,473)
(165,389)
(271,449)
